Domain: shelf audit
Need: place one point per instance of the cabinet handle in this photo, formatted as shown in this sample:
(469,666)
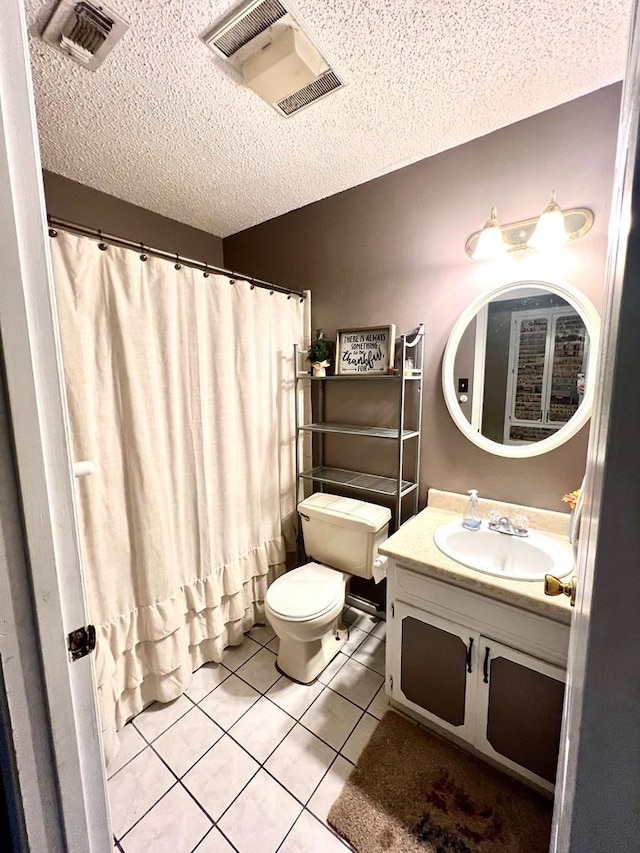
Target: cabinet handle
(469,654)
(485,666)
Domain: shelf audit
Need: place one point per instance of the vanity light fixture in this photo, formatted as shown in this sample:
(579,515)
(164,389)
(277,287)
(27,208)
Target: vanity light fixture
(552,228)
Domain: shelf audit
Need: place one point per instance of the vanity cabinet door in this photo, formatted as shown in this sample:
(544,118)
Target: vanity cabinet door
(432,666)
(519,704)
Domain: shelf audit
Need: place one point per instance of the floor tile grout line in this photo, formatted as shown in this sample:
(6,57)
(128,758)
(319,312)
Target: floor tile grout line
(214,823)
(185,692)
(212,830)
(333,690)
(269,773)
(299,720)
(197,701)
(381,688)
(296,722)
(262,763)
(178,780)
(142,816)
(352,730)
(197,704)
(288,832)
(329,828)
(148,745)
(126,764)
(132,721)
(324,776)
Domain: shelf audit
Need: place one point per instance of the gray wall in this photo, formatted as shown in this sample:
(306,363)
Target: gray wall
(85,206)
(392,251)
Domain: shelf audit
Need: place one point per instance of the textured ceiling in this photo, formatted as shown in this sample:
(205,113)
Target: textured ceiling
(161,125)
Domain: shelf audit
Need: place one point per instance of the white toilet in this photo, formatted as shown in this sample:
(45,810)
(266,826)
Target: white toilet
(304,605)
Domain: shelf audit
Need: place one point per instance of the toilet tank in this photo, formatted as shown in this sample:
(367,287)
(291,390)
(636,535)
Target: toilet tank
(343,532)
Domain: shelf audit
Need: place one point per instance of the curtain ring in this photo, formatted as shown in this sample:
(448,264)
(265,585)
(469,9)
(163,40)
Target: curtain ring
(232,281)
(289,296)
(301,299)
(177,265)
(206,271)
(252,285)
(52,231)
(271,292)
(101,245)
(143,256)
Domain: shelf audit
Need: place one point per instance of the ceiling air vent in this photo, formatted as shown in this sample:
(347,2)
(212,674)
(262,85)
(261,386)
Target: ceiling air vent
(84,32)
(273,53)
(246,26)
(324,84)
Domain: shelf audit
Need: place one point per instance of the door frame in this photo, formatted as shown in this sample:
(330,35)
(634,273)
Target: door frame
(591,803)
(598,788)
(32,368)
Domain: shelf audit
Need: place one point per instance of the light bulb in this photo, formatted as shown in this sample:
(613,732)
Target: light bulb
(490,243)
(550,230)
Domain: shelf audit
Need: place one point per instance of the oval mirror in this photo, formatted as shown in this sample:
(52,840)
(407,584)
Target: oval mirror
(519,367)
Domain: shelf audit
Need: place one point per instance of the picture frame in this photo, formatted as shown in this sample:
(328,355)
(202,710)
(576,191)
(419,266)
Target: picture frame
(365,350)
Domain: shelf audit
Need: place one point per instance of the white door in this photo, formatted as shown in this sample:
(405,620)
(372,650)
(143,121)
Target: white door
(37,410)
(518,708)
(432,666)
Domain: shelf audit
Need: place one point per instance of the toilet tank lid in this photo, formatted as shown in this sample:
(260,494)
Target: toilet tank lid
(345,512)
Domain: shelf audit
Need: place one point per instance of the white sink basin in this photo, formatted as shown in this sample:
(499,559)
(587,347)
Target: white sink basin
(527,558)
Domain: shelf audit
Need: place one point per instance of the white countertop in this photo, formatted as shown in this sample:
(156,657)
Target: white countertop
(413,546)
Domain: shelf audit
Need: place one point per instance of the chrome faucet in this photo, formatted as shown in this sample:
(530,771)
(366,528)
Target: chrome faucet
(503,524)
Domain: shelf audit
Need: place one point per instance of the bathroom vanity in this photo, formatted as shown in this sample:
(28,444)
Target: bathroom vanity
(480,658)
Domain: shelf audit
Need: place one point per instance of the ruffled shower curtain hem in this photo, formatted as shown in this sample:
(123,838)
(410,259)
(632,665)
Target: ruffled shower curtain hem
(150,653)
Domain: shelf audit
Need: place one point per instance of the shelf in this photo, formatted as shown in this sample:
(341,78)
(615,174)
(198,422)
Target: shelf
(360,376)
(356,480)
(352,429)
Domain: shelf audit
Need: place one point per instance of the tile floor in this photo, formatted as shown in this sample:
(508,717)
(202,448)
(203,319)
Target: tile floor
(246,760)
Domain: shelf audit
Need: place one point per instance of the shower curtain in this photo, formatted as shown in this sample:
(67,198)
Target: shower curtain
(180,390)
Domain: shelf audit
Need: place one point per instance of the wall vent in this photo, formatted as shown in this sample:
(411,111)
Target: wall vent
(248,34)
(326,83)
(84,32)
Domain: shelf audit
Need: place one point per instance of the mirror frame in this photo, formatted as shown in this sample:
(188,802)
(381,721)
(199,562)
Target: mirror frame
(591,318)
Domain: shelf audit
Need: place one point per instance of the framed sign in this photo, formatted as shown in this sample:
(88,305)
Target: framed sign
(366,350)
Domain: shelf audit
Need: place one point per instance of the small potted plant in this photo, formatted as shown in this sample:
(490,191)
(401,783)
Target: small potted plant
(319,354)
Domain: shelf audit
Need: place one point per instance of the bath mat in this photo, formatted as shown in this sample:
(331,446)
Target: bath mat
(413,792)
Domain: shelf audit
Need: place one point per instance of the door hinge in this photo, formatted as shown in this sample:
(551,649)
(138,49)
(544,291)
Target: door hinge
(393,610)
(81,642)
(391,682)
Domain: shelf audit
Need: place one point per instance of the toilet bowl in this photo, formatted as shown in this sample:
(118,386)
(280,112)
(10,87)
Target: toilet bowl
(305,604)
(304,608)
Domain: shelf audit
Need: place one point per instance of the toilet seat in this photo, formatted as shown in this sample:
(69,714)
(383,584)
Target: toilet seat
(306,593)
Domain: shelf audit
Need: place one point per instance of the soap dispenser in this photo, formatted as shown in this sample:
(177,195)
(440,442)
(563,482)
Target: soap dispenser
(471,517)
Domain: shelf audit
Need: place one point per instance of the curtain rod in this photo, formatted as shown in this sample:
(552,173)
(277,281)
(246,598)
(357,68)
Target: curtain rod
(206,268)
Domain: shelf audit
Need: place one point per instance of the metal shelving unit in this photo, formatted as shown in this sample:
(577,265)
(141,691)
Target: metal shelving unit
(388,489)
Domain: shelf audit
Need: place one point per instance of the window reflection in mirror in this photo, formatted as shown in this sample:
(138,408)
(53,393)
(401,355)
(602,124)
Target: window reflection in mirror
(525,357)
